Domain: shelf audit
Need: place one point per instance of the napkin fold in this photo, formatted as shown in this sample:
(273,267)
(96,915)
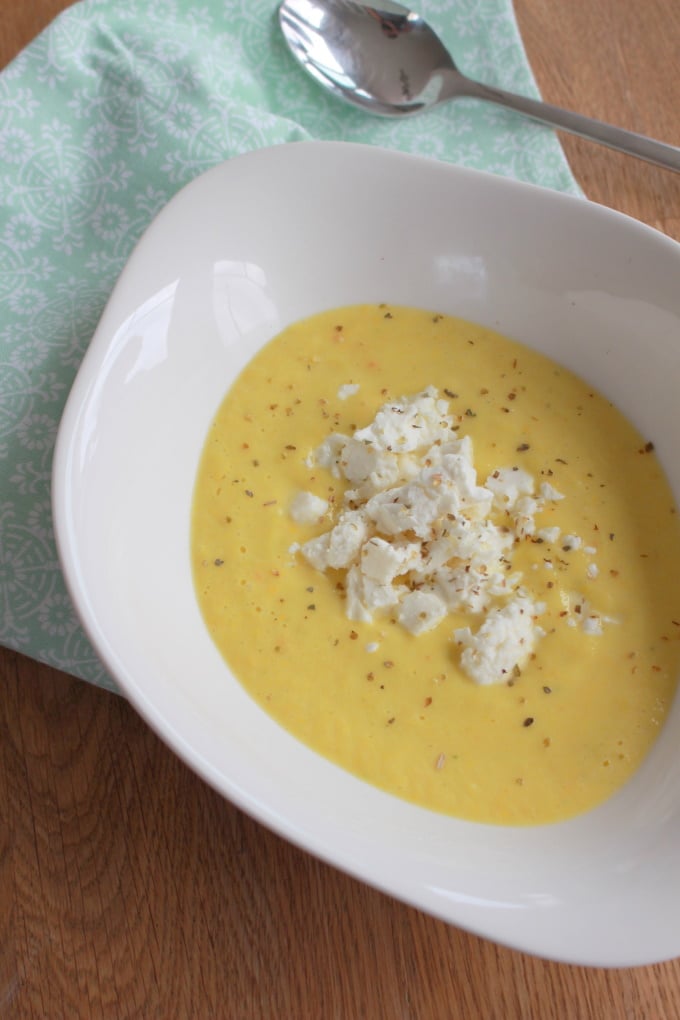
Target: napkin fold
(103,117)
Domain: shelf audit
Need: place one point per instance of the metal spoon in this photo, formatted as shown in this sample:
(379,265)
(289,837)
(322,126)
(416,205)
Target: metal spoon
(387,60)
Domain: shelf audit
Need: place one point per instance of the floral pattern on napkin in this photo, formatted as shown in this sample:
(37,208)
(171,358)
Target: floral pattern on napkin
(102,119)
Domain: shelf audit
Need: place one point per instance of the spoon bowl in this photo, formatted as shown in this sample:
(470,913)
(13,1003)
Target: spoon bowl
(388,61)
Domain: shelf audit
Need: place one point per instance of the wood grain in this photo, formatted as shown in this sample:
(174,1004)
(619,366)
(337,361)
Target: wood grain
(129,889)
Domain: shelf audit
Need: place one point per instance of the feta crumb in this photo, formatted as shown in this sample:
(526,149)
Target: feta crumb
(327,455)
(523,516)
(570,542)
(381,561)
(549,492)
(347,390)
(502,644)
(421,611)
(592,570)
(508,484)
(338,547)
(306,508)
(551,534)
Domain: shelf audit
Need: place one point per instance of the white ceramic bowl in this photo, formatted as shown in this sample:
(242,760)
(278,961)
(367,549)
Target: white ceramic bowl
(243,251)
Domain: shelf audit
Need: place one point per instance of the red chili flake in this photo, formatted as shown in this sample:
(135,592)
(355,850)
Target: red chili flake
(428,702)
(249,492)
(353,635)
(529,721)
(388,664)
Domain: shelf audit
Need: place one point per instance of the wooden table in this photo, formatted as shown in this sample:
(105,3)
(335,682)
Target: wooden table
(130,889)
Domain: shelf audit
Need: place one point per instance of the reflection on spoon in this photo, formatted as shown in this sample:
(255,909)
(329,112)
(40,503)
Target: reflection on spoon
(387,60)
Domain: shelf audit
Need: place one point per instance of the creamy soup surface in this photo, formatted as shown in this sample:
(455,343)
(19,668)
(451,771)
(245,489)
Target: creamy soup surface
(396,709)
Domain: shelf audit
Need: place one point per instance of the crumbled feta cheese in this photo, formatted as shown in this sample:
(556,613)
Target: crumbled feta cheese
(339,546)
(420,537)
(347,390)
(549,492)
(508,484)
(523,516)
(381,561)
(306,508)
(549,534)
(354,602)
(407,424)
(421,611)
(328,454)
(592,570)
(502,644)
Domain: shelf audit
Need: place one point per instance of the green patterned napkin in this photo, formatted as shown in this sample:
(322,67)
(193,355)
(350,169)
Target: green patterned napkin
(102,119)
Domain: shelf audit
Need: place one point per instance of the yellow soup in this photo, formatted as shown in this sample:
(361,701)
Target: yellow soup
(555,737)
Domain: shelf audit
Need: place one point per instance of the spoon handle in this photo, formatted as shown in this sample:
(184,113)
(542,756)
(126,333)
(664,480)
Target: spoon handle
(667,156)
